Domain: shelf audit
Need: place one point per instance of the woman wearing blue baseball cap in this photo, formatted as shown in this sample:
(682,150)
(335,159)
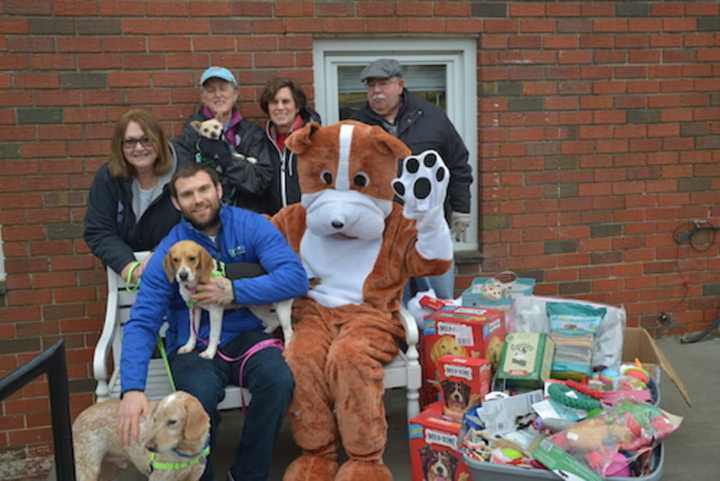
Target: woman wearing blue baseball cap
(239,154)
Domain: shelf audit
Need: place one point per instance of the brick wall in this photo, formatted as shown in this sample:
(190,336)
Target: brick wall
(599,133)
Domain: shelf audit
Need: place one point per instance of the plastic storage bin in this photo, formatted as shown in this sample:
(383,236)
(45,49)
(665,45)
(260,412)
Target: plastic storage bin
(497,472)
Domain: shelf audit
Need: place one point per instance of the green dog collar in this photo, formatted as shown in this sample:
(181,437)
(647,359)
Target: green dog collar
(160,466)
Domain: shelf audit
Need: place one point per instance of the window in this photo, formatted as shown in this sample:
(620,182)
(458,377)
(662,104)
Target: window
(443,71)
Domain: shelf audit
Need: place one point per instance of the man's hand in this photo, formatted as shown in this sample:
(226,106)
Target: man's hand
(459,222)
(217,291)
(133,405)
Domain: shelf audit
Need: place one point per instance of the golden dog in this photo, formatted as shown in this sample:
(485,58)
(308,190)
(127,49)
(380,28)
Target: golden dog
(175,433)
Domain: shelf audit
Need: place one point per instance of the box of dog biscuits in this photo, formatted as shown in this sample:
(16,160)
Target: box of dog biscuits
(434,443)
(461,331)
(464,382)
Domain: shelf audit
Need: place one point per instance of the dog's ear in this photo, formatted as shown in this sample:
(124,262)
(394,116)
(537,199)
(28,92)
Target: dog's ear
(197,421)
(301,140)
(445,385)
(169,267)
(206,264)
(425,454)
(387,144)
(196,124)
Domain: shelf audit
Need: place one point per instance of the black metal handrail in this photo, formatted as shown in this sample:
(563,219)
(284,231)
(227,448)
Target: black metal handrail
(52,363)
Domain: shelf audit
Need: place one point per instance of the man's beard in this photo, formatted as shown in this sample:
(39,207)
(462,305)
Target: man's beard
(202,226)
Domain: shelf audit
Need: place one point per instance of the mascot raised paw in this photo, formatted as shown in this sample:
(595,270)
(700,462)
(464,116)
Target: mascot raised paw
(363,247)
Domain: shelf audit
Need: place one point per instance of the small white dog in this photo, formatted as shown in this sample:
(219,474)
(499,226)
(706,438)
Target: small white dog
(213,129)
(189,264)
(210,129)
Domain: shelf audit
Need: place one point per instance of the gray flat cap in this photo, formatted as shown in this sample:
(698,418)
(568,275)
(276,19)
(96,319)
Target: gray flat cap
(381,68)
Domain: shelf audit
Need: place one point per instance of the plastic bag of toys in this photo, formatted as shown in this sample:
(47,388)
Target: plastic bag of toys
(610,441)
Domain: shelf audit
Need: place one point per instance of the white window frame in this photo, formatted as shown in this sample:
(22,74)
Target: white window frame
(459,57)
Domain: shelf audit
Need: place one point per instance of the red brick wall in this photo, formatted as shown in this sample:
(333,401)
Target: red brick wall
(599,133)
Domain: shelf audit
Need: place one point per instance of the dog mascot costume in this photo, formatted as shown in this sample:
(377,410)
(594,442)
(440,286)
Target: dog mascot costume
(361,248)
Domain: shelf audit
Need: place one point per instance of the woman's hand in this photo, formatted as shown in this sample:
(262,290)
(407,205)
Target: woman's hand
(137,271)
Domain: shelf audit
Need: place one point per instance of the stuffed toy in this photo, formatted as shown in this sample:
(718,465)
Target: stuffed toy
(361,247)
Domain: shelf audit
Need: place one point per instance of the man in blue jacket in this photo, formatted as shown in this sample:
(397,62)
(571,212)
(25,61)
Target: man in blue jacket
(230,235)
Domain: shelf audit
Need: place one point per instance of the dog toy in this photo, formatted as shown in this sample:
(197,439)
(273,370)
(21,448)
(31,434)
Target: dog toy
(569,397)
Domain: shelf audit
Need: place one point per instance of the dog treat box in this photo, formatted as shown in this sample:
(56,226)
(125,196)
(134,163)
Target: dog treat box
(461,331)
(434,443)
(464,382)
(526,359)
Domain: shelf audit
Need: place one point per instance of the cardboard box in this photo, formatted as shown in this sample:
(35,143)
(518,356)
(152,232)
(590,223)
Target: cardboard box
(464,382)
(461,331)
(639,344)
(526,359)
(434,443)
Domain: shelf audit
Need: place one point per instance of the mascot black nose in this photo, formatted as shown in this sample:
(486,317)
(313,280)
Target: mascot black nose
(183,276)
(337,224)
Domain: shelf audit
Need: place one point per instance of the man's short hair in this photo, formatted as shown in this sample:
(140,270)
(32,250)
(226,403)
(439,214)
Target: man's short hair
(190,169)
(381,68)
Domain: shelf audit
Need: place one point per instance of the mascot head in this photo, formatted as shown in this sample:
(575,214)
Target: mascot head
(346,172)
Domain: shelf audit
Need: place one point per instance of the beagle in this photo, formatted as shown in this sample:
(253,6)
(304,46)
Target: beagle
(173,443)
(189,264)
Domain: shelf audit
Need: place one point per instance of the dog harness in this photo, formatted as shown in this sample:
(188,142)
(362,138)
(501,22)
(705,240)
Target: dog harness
(194,459)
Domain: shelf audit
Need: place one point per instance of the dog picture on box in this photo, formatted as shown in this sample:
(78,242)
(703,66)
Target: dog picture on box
(363,247)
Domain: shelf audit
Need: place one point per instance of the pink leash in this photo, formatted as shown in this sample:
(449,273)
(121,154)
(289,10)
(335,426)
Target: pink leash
(243,358)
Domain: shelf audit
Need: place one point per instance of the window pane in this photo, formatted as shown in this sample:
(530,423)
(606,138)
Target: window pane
(425,81)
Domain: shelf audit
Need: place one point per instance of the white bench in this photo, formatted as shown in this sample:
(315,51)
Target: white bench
(403,371)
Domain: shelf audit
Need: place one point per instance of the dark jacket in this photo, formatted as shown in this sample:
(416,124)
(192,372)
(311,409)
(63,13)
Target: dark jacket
(243,237)
(111,230)
(423,126)
(244,183)
(285,185)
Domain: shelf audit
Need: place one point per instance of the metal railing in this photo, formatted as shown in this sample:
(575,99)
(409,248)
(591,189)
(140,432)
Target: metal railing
(52,363)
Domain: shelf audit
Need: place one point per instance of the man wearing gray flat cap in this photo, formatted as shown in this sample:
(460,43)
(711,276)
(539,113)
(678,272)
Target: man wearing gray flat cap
(422,126)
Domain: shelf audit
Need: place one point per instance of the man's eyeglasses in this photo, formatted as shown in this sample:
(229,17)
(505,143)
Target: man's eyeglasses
(129,144)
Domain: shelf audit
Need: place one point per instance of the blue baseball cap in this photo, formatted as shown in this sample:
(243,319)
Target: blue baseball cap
(218,72)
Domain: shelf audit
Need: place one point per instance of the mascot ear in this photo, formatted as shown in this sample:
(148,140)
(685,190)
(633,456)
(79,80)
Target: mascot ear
(301,140)
(387,144)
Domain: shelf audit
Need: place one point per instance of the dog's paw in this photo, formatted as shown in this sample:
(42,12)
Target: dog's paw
(186,348)
(422,184)
(208,353)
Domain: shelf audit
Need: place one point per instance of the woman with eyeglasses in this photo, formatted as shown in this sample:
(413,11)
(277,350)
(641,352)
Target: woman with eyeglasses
(129,207)
(239,155)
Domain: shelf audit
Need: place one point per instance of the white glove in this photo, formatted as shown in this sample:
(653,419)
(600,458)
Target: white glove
(422,187)
(459,222)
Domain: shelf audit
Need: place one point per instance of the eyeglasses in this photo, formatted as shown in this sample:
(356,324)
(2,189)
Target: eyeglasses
(145,143)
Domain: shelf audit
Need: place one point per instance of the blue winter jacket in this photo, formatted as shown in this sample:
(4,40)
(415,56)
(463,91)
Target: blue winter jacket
(244,236)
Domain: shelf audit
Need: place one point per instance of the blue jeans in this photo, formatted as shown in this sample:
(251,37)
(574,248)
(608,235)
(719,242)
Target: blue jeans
(270,382)
(443,285)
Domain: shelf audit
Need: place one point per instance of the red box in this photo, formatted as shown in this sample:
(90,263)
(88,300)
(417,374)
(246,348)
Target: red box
(461,331)
(434,443)
(464,382)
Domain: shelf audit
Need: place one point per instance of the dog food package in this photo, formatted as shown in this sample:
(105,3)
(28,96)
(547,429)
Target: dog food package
(526,359)
(461,331)
(464,382)
(434,443)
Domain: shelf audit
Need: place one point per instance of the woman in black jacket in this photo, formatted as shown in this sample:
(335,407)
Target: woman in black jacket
(129,207)
(240,156)
(285,104)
